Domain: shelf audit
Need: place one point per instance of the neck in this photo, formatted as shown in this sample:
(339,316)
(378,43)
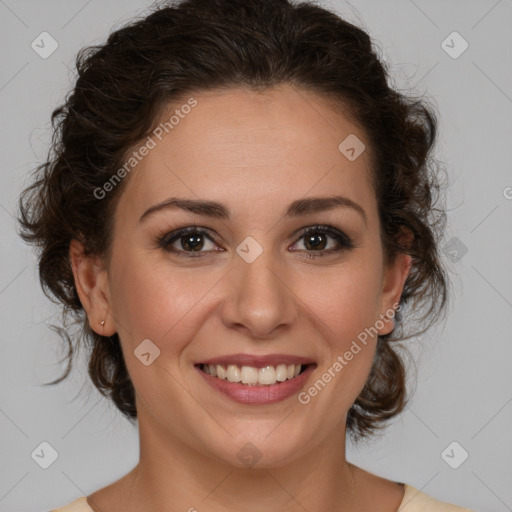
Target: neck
(170,473)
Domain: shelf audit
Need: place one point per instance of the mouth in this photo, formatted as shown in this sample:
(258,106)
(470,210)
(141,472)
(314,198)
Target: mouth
(269,375)
(256,379)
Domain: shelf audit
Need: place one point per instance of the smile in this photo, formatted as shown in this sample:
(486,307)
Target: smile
(252,376)
(256,380)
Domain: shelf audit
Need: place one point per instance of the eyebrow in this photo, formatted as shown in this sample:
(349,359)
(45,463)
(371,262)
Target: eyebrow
(215,210)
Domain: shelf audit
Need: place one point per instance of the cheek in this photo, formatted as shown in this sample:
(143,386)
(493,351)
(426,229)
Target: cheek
(152,300)
(344,300)
(344,305)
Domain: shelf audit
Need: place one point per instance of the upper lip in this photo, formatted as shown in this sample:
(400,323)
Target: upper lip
(257,361)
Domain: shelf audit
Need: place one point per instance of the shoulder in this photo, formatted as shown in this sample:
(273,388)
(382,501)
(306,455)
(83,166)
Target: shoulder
(417,501)
(79,505)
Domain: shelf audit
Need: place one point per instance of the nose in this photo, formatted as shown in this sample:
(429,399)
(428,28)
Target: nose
(259,302)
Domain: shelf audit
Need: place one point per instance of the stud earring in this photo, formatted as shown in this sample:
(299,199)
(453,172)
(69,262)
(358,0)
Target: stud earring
(102,322)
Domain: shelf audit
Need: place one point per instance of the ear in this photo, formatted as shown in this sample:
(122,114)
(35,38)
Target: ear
(393,280)
(91,281)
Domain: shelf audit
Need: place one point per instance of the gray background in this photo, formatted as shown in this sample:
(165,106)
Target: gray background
(464,390)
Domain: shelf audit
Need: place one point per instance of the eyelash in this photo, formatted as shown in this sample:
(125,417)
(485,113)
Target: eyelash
(165,241)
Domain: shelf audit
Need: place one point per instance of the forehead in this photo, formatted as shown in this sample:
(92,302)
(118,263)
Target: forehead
(239,144)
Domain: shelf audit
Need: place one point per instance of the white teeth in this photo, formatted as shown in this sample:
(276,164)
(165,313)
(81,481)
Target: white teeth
(233,373)
(267,375)
(221,372)
(251,376)
(281,374)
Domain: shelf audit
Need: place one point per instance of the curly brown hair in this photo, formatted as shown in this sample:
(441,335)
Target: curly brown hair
(121,89)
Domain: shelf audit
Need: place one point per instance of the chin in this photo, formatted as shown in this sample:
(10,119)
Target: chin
(262,446)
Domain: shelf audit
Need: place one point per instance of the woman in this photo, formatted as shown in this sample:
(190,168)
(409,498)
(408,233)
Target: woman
(243,215)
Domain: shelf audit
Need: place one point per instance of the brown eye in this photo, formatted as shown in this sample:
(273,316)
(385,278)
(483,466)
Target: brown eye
(189,242)
(193,242)
(316,241)
(186,241)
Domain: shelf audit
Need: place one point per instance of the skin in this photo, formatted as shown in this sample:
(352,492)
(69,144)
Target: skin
(255,153)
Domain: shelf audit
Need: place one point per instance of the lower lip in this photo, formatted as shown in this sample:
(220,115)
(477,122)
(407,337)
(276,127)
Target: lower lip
(258,395)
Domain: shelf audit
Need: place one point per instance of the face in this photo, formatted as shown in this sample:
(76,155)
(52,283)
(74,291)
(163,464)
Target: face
(266,283)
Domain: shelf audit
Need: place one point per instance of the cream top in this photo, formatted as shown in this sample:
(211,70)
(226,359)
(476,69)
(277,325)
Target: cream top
(413,501)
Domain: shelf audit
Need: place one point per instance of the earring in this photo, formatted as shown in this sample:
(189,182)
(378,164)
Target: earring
(102,322)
